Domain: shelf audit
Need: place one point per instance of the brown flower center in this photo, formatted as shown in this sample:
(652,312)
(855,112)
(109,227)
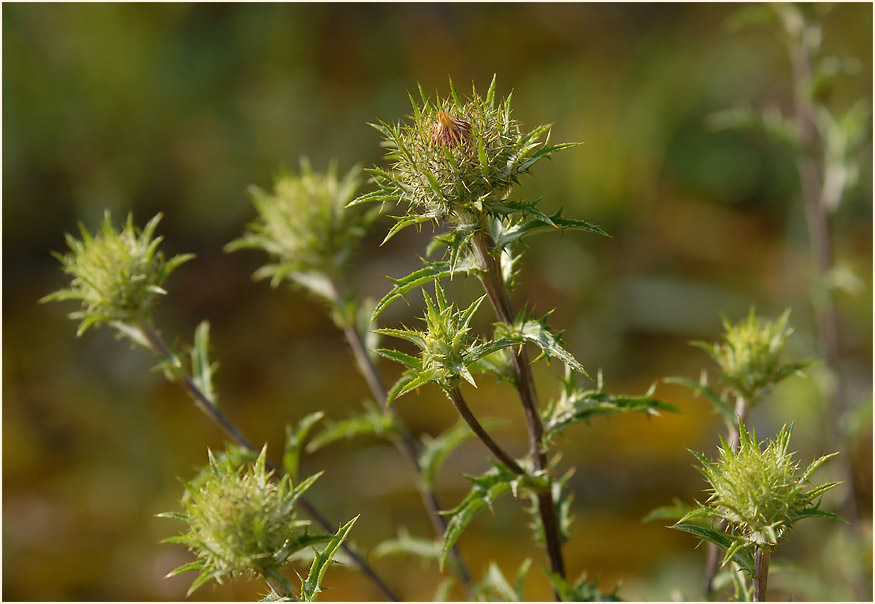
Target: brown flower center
(449,130)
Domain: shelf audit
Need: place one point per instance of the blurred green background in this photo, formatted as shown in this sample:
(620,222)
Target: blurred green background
(178,107)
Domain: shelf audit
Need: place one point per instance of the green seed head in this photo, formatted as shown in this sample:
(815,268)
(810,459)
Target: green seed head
(759,489)
(751,356)
(304,225)
(117,275)
(239,521)
(456,156)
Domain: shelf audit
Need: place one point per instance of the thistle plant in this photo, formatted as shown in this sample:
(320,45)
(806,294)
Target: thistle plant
(758,492)
(243,523)
(752,362)
(456,162)
(117,276)
(827,142)
(292,223)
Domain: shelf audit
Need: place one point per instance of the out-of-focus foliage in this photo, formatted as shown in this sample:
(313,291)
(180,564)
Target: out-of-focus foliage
(178,108)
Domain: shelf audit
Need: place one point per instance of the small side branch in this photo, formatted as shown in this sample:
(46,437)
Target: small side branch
(160,348)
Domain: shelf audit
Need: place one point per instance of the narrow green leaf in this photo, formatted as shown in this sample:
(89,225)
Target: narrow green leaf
(436,450)
(456,97)
(202,370)
(311,587)
(701,388)
(399,357)
(430,272)
(372,422)
(486,489)
(536,332)
(405,544)
(742,557)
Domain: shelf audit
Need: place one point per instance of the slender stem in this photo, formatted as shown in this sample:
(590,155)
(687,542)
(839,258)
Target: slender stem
(407,444)
(493,283)
(817,220)
(465,412)
(761,576)
(157,345)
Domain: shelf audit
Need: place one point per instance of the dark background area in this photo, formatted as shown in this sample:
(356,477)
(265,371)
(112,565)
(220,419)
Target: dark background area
(177,108)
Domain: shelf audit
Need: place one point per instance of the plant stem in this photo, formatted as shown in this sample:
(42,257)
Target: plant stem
(465,412)
(157,345)
(817,219)
(407,444)
(493,283)
(761,576)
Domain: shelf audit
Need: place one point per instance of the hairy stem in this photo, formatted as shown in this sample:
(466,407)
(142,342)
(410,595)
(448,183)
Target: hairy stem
(407,444)
(761,576)
(157,345)
(493,283)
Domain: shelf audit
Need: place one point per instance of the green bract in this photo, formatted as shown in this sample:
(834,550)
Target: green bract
(305,227)
(751,355)
(241,523)
(116,275)
(456,157)
(758,491)
(446,348)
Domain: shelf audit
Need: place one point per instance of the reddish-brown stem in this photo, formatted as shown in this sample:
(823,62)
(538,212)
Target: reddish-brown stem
(493,283)
(761,576)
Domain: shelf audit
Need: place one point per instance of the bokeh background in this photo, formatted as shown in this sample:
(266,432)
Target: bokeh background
(177,108)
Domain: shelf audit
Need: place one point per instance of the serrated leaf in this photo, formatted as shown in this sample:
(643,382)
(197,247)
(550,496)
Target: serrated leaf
(581,591)
(486,489)
(432,271)
(400,357)
(536,332)
(202,369)
(577,404)
(538,221)
(295,438)
(312,585)
(406,221)
(742,557)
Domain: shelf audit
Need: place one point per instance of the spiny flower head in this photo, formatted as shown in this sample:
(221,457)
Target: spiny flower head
(446,347)
(759,490)
(304,225)
(751,355)
(117,275)
(240,522)
(456,156)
